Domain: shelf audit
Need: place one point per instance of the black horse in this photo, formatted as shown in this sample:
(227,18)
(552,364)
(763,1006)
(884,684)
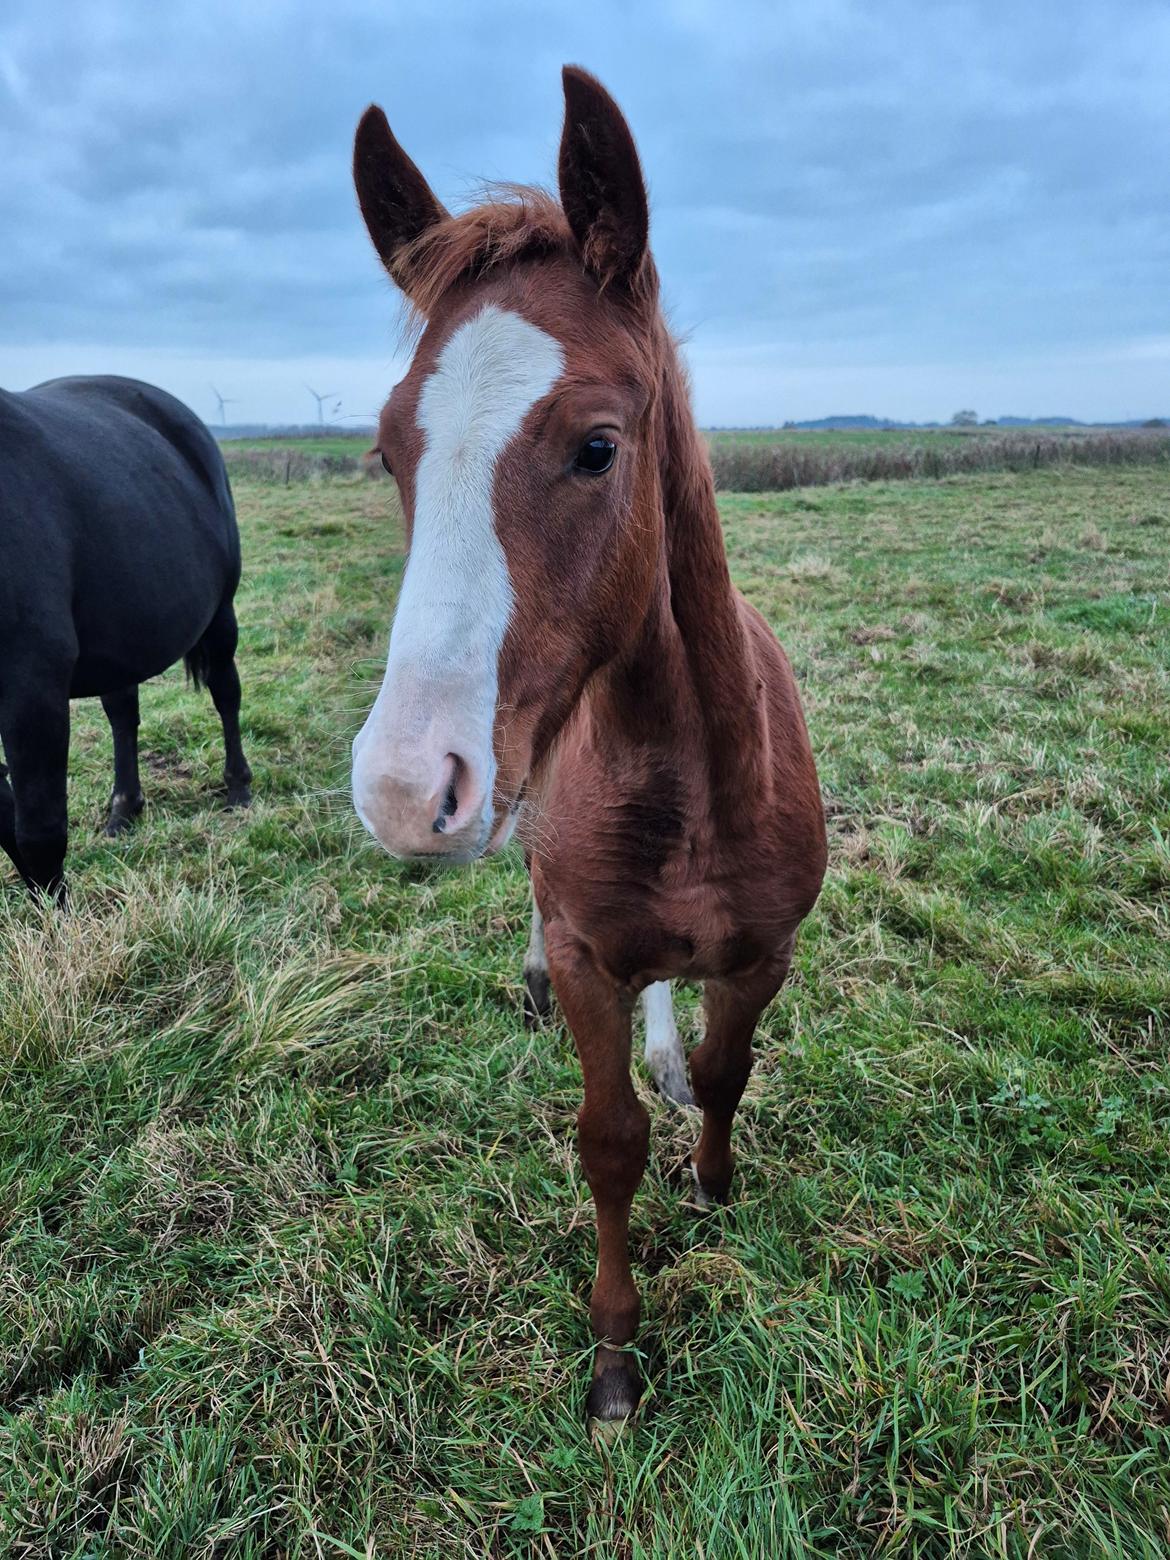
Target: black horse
(119,553)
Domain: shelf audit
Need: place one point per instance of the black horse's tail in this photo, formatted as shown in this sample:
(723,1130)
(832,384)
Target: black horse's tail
(198,663)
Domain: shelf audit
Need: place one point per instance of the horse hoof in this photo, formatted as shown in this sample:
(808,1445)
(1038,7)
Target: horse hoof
(57,895)
(123,812)
(706,1198)
(609,1431)
(239,796)
(671,1083)
(537,998)
(613,1401)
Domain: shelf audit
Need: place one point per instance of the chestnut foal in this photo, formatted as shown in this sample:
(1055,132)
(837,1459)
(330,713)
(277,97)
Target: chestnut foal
(568,642)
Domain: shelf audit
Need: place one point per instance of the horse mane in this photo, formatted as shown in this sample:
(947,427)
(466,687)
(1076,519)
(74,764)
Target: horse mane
(516,222)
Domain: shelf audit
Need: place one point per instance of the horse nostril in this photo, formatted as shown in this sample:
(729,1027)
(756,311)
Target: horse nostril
(451,800)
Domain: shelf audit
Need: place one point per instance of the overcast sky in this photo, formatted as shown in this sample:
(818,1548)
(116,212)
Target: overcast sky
(899,208)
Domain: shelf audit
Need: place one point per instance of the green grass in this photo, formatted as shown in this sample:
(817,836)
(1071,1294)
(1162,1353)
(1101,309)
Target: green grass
(295,1252)
(351,445)
(334,443)
(845,438)
(769,461)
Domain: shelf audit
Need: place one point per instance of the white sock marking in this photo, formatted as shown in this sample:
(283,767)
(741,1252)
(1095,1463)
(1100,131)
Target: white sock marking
(664,1052)
(535,960)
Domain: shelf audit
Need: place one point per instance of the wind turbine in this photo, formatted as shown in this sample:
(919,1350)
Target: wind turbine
(223,401)
(320,400)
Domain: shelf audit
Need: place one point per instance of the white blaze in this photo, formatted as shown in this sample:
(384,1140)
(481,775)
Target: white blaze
(440,690)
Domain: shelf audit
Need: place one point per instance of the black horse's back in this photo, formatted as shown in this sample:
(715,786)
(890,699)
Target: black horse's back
(155,409)
(124,520)
(131,411)
(121,557)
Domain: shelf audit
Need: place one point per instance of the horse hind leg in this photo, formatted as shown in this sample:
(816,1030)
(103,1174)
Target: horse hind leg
(217,656)
(664,1052)
(126,799)
(537,990)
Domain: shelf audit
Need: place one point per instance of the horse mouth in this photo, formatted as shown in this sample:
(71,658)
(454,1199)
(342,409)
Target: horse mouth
(464,855)
(496,834)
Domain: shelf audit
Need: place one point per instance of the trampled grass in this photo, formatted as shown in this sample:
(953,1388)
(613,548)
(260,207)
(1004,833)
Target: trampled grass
(295,1251)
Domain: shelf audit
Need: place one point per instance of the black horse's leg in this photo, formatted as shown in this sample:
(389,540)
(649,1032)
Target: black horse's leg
(126,801)
(8,822)
(223,682)
(34,727)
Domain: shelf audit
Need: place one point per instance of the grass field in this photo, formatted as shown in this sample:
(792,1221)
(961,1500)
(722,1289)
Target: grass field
(337,442)
(845,438)
(351,445)
(295,1251)
(775,460)
(340,443)
(350,448)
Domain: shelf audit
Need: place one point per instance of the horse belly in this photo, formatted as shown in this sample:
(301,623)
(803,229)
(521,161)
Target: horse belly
(133,630)
(133,642)
(143,598)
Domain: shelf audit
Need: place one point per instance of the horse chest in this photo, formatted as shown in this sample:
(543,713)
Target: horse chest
(682,920)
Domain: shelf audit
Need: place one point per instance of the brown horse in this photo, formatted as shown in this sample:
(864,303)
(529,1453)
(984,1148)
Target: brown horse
(568,643)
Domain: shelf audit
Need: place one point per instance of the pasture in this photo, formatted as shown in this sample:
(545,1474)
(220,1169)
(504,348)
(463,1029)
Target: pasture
(295,1249)
(777,459)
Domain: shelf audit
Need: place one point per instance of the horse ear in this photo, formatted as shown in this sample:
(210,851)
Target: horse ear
(602,190)
(397,202)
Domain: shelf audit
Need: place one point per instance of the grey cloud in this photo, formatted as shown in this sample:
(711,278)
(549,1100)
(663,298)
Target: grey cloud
(847,183)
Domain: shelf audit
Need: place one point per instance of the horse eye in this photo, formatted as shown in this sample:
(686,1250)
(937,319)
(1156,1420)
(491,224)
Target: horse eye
(386,466)
(596,455)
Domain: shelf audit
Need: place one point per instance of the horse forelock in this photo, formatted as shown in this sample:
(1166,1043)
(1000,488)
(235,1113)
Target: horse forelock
(515,223)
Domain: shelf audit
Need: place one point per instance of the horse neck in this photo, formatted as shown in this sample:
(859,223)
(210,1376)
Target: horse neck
(695,619)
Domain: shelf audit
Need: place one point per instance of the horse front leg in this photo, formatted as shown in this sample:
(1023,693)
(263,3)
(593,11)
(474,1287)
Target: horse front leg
(34,728)
(8,823)
(613,1135)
